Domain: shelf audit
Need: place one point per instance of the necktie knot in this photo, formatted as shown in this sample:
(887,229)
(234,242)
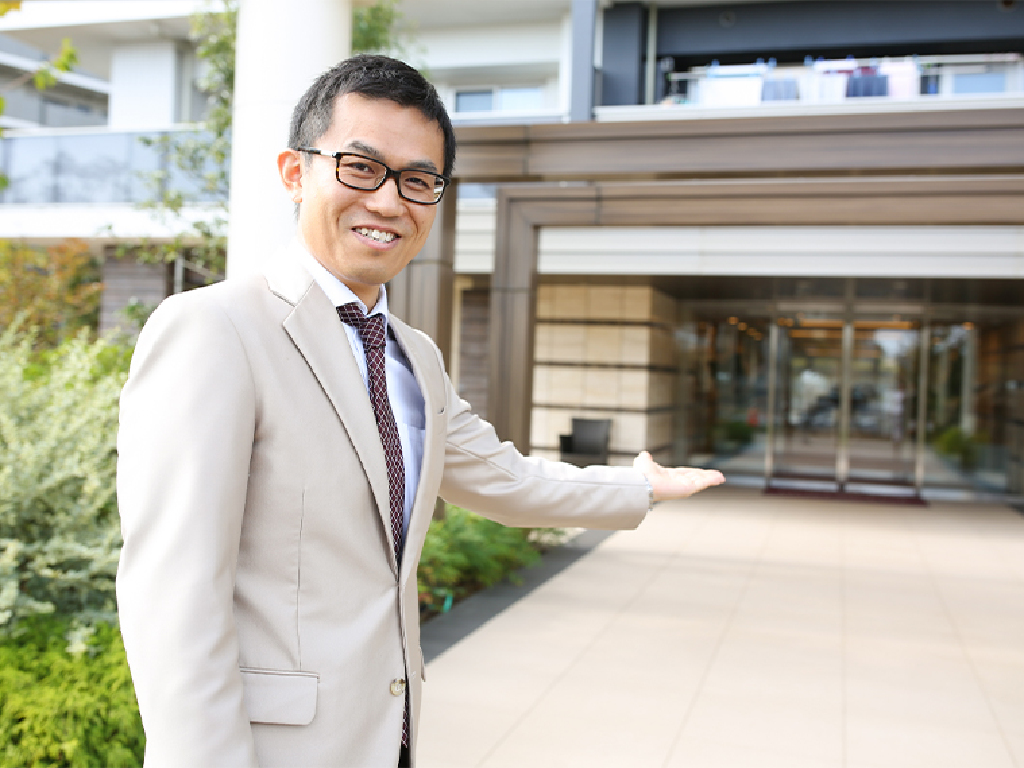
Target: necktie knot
(371,328)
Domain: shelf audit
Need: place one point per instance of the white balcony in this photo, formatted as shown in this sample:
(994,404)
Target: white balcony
(836,87)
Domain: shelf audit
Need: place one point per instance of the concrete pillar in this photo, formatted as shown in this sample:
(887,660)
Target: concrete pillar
(584,24)
(281,48)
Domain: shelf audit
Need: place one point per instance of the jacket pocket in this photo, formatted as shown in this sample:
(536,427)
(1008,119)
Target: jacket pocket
(276,697)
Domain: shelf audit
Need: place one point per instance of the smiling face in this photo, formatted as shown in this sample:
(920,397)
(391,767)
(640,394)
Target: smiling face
(364,238)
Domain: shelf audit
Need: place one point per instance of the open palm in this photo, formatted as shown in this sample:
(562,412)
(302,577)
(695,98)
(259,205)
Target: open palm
(675,482)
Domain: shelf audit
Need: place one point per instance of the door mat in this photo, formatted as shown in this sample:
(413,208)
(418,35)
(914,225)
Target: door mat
(871,498)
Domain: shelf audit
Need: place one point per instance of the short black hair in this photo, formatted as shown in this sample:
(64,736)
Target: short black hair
(374,77)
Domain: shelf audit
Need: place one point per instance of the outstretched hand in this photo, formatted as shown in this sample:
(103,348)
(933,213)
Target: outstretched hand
(675,482)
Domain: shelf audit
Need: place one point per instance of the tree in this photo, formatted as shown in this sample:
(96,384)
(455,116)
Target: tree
(55,290)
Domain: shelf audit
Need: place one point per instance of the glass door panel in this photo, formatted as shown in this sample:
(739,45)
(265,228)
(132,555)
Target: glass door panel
(731,388)
(970,386)
(884,364)
(807,398)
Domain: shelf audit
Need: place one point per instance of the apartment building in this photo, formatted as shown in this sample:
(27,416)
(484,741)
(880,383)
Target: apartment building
(782,238)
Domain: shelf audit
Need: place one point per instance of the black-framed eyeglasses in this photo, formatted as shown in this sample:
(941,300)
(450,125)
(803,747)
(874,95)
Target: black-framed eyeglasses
(366,174)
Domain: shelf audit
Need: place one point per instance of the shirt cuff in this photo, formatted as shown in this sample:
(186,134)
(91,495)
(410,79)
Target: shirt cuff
(650,493)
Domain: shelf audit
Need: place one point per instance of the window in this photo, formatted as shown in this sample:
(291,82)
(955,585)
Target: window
(474,101)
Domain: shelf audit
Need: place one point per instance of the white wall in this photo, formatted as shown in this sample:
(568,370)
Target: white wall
(511,45)
(889,251)
(885,251)
(143,85)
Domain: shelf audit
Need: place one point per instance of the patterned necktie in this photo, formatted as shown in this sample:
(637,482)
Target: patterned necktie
(371,331)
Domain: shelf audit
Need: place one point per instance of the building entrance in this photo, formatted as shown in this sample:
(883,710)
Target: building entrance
(842,402)
(863,390)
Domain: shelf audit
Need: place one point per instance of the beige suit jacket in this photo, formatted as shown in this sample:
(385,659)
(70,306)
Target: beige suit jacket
(262,608)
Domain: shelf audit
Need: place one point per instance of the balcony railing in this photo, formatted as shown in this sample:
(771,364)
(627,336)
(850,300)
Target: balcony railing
(92,166)
(852,83)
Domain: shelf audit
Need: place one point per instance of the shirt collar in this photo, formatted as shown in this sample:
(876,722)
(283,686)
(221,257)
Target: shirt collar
(337,292)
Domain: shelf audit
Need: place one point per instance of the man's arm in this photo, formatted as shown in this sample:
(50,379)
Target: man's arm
(492,478)
(185,440)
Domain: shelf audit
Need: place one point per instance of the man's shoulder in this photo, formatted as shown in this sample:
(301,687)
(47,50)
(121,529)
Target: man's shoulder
(235,297)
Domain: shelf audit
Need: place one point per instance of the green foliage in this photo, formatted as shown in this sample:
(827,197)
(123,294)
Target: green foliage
(46,76)
(464,553)
(59,530)
(959,445)
(54,289)
(739,432)
(373,28)
(61,708)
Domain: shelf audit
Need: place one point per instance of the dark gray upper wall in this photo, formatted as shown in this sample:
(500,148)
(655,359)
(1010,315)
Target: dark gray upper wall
(623,41)
(744,32)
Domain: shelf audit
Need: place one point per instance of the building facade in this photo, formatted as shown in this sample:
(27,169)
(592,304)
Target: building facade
(781,238)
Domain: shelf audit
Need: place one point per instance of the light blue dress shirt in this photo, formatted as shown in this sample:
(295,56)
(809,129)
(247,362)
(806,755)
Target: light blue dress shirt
(403,390)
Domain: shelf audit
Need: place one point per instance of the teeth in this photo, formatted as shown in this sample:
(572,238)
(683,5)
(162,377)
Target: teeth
(376,234)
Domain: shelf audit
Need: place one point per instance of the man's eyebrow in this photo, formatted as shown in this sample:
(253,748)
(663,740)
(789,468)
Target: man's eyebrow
(376,154)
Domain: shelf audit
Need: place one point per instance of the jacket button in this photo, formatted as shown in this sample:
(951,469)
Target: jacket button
(397,687)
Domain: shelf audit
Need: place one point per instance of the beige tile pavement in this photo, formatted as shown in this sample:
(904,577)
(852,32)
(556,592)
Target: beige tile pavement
(738,630)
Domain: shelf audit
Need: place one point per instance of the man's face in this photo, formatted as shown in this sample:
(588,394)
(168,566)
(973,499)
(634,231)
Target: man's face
(366,238)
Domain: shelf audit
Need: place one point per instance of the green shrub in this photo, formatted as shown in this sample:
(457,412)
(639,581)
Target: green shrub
(959,445)
(59,530)
(63,709)
(464,553)
(739,432)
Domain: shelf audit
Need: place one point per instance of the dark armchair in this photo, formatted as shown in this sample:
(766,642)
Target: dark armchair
(588,443)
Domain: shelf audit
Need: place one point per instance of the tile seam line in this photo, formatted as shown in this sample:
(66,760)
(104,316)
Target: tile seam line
(754,568)
(597,635)
(982,688)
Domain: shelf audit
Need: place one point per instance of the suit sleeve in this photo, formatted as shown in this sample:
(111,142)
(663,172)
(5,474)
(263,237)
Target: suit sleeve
(492,478)
(187,424)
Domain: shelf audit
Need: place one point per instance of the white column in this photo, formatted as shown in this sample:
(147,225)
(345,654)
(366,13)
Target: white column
(281,49)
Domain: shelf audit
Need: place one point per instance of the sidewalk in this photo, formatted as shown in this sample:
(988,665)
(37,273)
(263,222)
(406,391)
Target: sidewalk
(736,629)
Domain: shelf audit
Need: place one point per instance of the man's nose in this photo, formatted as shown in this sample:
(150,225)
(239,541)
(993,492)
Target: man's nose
(385,199)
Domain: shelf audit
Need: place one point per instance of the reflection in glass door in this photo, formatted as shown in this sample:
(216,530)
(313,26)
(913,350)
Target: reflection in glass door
(808,400)
(883,401)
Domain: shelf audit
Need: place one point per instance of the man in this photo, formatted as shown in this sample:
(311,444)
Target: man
(282,442)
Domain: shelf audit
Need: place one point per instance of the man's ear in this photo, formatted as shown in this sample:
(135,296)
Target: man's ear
(289,165)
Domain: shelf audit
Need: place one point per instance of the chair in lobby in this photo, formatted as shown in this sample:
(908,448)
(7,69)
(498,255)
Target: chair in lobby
(587,443)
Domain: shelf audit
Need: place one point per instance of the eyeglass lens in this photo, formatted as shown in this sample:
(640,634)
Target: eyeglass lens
(364,173)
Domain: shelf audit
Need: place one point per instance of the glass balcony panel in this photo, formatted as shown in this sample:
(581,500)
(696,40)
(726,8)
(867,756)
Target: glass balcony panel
(144,161)
(93,168)
(100,167)
(191,180)
(979,82)
(31,169)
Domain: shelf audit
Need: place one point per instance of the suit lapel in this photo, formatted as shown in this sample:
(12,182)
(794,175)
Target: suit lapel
(317,333)
(425,368)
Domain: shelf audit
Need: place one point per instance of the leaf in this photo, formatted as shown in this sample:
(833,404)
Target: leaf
(67,57)
(44,78)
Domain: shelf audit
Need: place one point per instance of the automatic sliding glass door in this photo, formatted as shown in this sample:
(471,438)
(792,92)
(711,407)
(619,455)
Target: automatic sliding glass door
(884,365)
(845,402)
(807,399)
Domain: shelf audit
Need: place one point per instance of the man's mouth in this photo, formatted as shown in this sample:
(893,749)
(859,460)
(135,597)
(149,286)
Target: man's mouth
(376,234)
